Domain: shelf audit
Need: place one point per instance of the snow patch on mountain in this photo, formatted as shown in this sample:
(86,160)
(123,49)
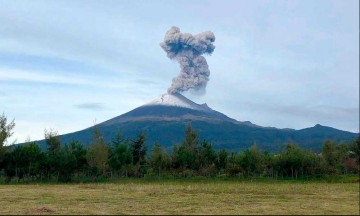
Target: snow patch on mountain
(177,100)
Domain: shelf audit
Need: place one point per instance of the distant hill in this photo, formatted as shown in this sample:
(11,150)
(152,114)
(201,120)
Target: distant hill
(164,120)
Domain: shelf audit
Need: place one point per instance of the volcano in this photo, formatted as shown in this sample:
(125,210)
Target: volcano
(171,107)
(164,120)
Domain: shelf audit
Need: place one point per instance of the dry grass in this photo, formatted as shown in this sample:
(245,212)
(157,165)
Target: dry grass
(136,197)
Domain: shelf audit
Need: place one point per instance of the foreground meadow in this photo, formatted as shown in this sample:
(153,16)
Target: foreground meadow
(177,197)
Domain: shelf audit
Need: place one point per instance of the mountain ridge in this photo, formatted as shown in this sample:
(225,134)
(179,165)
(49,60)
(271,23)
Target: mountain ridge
(164,119)
(173,107)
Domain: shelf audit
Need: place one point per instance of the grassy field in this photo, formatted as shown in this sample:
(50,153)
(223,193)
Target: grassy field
(182,197)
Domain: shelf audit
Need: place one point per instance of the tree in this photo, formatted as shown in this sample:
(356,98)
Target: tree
(187,151)
(9,166)
(250,161)
(206,159)
(222,159)
(311,163)
(138,148)
(5,133)
(97,154)
(328,154)
(354,148)
(16,162)
(66,168)
(52,140)
(174,157)
(33,156)
(78,150)
(120,157)
(75,155)
(291,159)
(53,160)
(117,139)
(23,161)
(206,156)
(341,155)
(232,167)
(269,164)
(157,159)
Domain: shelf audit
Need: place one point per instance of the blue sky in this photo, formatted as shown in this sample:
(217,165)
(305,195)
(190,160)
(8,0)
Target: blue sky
(288,64)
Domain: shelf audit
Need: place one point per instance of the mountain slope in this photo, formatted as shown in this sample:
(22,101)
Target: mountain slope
(164,120)
(174,107)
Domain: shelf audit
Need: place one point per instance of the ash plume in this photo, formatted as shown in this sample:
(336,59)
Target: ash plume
(187,50)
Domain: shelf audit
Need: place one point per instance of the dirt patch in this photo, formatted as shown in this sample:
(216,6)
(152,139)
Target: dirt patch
(43,210)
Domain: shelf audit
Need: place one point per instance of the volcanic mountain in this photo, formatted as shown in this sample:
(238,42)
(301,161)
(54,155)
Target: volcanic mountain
(165,118)
(171,107)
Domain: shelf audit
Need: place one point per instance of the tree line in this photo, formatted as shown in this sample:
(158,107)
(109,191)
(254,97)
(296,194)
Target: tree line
(123,157)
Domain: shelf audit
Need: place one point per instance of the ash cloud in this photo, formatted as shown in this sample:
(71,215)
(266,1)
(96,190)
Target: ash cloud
(187,49)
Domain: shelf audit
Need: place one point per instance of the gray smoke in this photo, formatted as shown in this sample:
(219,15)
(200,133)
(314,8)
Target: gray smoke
(187,50)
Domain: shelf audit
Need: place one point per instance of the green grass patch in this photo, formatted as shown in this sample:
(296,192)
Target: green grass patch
(182,196)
